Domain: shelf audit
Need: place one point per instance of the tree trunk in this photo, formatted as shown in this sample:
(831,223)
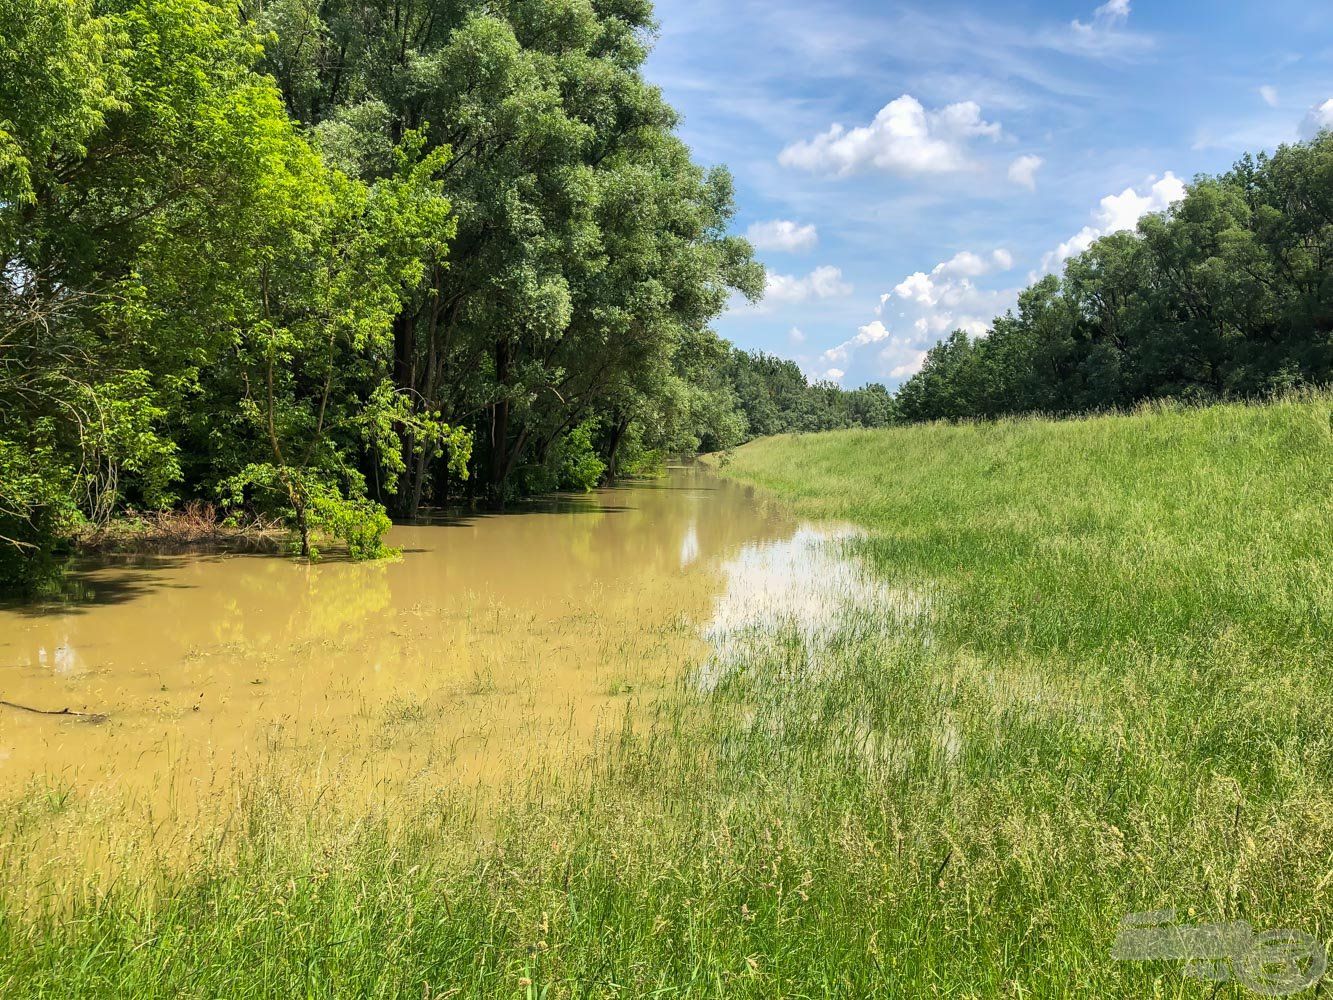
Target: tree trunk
(405,378)
(613,453)
(302,525)
(500,457)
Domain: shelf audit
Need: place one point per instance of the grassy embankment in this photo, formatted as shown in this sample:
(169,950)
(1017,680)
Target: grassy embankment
(1118,700)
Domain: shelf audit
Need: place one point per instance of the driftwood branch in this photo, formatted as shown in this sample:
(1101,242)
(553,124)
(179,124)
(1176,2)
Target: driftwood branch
(94,717)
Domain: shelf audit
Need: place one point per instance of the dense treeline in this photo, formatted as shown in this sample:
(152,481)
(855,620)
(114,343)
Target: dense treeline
(589,253)
(1227,295)
(774,397)
(324,260)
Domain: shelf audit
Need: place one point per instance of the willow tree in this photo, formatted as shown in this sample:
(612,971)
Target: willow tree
(586,239)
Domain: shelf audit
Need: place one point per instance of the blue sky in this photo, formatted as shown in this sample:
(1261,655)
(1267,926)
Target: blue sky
(906,168)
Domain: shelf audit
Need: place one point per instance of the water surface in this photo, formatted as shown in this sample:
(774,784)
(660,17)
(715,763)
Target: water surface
(493,644)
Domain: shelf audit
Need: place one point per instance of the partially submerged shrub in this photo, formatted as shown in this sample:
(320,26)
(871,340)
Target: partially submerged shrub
(312,506)
(575,460)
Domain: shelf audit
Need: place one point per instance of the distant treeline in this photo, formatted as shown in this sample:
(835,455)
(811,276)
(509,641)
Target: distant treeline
(769,395)
(1227,295)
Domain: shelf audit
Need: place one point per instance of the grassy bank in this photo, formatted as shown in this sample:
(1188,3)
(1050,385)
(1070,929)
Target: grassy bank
(1094,680)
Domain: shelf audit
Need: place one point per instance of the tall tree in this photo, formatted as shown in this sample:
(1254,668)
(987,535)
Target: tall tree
(587,240)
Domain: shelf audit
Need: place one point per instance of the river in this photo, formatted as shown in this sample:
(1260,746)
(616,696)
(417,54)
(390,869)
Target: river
(493,645)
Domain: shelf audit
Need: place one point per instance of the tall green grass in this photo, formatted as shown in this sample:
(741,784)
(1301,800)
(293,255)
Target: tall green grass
(1117,700)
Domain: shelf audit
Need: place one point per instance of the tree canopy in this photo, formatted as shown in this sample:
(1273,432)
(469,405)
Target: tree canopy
(1229,294)
(317,260)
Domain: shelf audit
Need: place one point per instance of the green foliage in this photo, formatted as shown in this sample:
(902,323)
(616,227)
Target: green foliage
(775,398)
(36,508)
(576,462)
(59,79)
(314,507)
(590,251)
(360,523)
(1227,295)
(190,292)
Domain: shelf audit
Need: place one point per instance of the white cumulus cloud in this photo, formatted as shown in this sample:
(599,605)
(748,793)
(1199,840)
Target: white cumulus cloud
(898,356)
(1023,171)
(1117,212)
(947,299)
(1319,118)
(821,283)
(970,265)
(923,308)
(783,235)
(903,363)
(872,333)
(1269,94)
(904,138)
(796,336)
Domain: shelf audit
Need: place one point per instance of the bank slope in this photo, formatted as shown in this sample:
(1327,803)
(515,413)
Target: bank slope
(1128,650)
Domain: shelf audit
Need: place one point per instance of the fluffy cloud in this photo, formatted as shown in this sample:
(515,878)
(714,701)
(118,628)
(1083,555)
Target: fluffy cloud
(834,374)
(946,299)
(872,333)
(924,307)
(947,288)
(1106,34)
(821,283)
(898,356)
(796,336)
(970,265)
(904,138)
(1023,171)
(1319,118)
(1269,94)
(1115,213)
(782,235)
(904,362)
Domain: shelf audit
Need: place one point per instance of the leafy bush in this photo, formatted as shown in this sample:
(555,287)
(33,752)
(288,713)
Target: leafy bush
(312,506)
(575,461)
(36,509)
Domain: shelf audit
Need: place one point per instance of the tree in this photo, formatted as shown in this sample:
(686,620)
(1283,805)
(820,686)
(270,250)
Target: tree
(587,241)
(184,274)
(1229,294)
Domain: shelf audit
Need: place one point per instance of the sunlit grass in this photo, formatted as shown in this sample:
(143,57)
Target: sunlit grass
(1114,698)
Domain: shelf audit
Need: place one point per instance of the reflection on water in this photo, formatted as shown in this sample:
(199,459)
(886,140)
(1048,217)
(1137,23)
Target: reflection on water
(803,586)
(494,643)
(689,546)
(63,659)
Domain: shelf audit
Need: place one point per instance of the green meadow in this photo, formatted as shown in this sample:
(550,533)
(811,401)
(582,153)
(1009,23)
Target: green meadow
(1093,679)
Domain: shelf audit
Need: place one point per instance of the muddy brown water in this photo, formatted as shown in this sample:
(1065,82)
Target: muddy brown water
(494,644)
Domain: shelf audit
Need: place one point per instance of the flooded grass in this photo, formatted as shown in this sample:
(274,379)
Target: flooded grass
(1061,673)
